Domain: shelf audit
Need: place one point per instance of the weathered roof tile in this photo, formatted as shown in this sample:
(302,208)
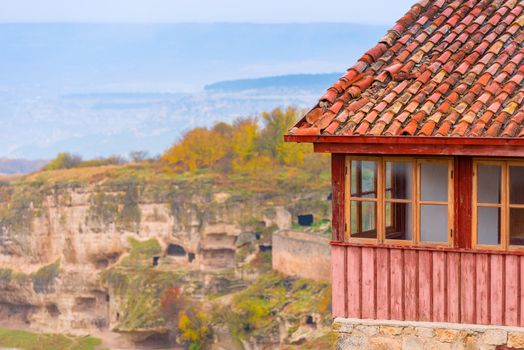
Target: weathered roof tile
(446,68)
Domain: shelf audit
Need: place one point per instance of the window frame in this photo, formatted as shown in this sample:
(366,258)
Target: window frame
(415,201)
(505,205)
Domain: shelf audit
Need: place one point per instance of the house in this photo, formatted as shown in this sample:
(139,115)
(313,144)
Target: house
(426,135)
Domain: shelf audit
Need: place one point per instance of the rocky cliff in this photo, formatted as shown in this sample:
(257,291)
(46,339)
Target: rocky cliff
(71,250)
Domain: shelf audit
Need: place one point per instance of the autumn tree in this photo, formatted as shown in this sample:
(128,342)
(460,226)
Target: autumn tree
(64,160)
(199,148)
(242,146)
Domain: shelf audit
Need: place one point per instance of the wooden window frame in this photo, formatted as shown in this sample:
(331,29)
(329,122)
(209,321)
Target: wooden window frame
(381,201)
(376,200)
(412,201)
(505,205)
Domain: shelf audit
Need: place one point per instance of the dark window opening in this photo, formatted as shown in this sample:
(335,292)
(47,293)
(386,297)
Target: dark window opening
(305,220)
(175,250)
(191,257)
(265,248)
(155,260)
(310,320)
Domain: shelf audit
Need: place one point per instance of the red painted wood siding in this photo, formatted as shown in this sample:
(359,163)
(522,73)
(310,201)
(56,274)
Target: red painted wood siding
(428,285)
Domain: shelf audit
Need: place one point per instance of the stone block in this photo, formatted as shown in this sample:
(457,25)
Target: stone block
(447,335)
(390,330)
(342,327)
(385,343)
(412,343)
(424,332)
(495,337)
(351,342)
(367,330)
(516,340)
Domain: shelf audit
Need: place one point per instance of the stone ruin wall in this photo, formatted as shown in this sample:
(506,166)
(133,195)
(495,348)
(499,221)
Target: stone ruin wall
(302,254)
(356,334)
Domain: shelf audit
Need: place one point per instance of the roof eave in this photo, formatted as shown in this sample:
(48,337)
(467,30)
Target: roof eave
(415,145)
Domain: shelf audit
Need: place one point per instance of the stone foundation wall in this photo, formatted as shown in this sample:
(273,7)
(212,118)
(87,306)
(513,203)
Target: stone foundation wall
(294,253)
(353,334)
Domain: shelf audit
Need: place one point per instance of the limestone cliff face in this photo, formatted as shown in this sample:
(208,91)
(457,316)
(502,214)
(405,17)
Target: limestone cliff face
(56,239)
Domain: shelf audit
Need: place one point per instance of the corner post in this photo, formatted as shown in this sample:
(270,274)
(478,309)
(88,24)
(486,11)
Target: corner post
(338,172)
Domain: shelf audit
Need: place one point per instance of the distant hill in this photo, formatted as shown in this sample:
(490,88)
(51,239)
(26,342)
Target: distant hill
(20,166)
(298,81)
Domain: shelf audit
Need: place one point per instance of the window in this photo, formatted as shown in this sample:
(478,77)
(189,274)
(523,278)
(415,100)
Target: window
(498,204)
(399,200)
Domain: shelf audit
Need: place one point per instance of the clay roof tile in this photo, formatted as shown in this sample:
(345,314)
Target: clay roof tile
(446,68)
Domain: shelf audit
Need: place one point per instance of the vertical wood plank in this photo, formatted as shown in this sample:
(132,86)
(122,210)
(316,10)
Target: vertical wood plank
(338,273)
(468,294)
(463,185)
(521,289)
(497,289)
(439,287)
(338,192)
(368,283)
(383,296)
(453,283)
(411,285)
(396,280)
(511,307)
(353,282)
(483,286)
(425,282)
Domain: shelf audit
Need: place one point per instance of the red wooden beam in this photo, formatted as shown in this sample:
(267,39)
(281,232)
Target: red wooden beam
(435,149)
(338,171)
(463,186)
(429,248)
(409,140)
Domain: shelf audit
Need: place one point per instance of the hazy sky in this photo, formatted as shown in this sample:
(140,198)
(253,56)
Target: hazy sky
(269,11)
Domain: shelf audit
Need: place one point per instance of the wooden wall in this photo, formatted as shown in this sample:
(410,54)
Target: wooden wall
(427,285)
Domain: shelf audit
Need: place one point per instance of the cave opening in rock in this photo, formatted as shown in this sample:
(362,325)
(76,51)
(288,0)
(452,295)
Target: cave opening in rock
(175,250)
(155,260)
(52,310)
(265,248)
(191,257)
(310,320)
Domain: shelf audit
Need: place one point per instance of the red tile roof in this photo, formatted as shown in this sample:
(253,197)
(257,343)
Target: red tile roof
(447,68)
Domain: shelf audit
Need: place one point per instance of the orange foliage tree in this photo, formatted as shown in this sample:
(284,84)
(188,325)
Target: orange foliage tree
(243,145)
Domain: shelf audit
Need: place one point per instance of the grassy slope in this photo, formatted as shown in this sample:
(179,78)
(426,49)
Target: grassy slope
(33,341)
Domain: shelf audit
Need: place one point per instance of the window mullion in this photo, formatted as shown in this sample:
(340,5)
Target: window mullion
(381,205)
(504,206)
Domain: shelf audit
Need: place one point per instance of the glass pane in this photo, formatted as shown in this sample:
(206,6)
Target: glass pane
(399,217)
(488,186)
(399,182)
(434,223)
(516,183)
(363,218)
(516,226)
(434,182)
(363,178)
(488,226)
